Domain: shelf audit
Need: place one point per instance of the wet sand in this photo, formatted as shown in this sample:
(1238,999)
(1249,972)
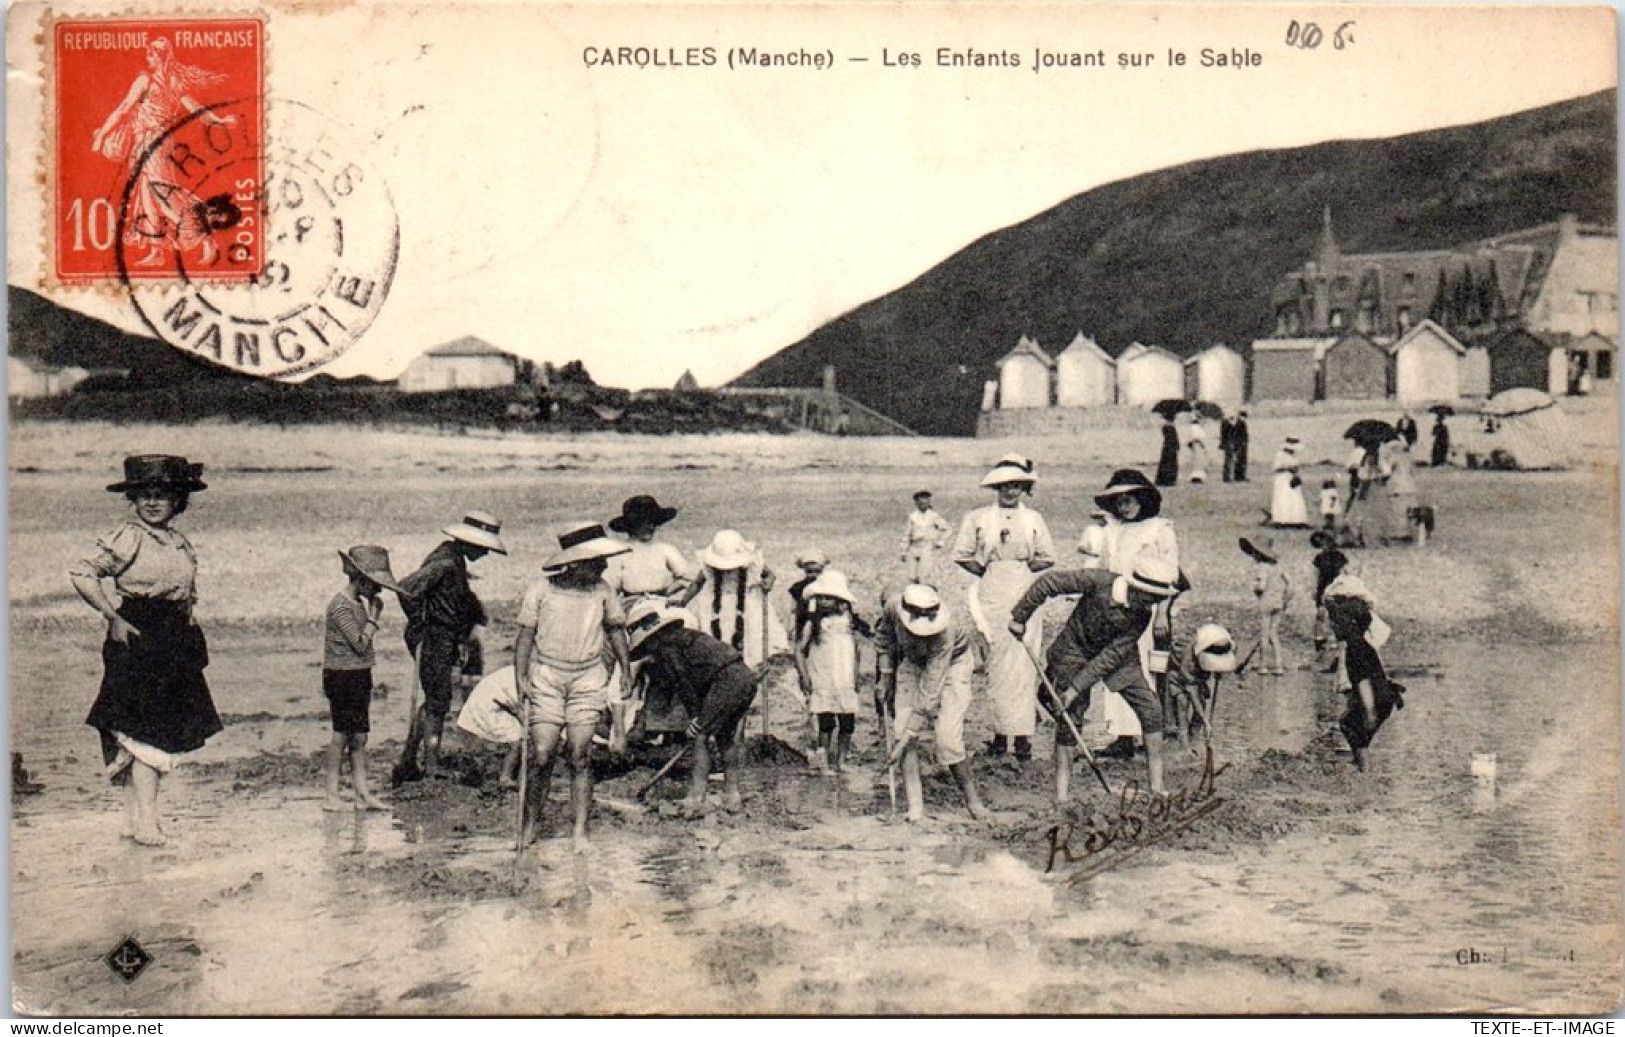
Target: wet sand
(1310,887)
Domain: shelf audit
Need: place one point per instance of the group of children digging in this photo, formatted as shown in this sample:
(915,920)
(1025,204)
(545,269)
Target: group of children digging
(580,643)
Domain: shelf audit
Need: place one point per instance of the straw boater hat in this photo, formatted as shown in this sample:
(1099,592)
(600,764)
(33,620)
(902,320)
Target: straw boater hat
(919,608)
(480,529)
(641,510)
(582,542)
(1012,468)
(728,550)
(160,470)
(1261,548)
(373,563)
(831,583)
(1155,576)
(647,618)
(1130,481)
(1215,652)
(811,556)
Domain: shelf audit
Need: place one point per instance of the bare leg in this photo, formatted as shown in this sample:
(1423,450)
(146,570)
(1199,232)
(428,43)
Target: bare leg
(912,789)
(967,785)
(545,737)
(132,809)
(335,767)
(846,723)
(145,780)
(1063,772)
(364,799)
(728,745)
(1153,761)
(580,737)
(432,727)
(699,774)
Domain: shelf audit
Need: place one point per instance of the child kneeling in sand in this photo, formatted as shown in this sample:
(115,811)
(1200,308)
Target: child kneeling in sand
(347,660)
(565,619)
(716,688)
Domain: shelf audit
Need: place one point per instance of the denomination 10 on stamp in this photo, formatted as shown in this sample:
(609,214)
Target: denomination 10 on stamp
(124,182)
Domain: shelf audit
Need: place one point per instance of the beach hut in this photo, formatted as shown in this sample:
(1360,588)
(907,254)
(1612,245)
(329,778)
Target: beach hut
(1024,376)
(1528,431)
(1147,374)
(1427,365)
(1354,368)
(1218,374)
(1523,359)
(467,363)
(1287,368)
(1085,375)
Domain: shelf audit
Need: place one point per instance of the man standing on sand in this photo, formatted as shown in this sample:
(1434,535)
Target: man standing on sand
(441,615)
(1101,642)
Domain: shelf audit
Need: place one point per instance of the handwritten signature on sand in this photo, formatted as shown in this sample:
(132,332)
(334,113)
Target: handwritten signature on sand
(1141,820)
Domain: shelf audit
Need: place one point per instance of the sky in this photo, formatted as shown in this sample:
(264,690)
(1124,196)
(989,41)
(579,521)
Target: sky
(651,220)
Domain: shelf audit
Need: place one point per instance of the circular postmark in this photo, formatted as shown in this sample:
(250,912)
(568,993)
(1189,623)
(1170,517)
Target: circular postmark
(313,226)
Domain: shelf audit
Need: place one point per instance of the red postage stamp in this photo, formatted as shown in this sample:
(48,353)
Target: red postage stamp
(158,169)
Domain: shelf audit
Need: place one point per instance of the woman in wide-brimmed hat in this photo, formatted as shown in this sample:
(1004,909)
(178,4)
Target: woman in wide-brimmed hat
(1135,528)
(1003,545)
(1288,509)
(651,568)
(154,702)
(732,604)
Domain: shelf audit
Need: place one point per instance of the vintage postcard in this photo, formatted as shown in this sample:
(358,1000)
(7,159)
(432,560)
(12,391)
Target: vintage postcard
(812,509)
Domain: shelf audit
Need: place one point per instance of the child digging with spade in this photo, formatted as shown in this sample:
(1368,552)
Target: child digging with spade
(347,659)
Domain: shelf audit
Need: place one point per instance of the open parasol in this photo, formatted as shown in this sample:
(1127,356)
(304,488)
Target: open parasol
(1370,431)
(1443,410)
(1209,410)
(1170,407)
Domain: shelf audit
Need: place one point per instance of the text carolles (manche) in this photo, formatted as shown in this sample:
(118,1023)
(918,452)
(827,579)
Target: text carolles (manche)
(648,57)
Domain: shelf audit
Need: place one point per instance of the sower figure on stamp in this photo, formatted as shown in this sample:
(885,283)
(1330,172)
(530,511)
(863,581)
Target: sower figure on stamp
(925,662)
(1101,642)
(441,615)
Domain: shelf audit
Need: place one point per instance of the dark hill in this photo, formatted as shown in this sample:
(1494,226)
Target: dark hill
(41,330)
(1186,257)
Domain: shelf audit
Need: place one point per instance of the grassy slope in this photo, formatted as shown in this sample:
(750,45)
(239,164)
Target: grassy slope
(1185,257)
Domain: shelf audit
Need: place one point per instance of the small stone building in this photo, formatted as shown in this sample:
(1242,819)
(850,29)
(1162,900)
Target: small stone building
(1024,376)
(1148,374)
(1354,368)
(1427,362)
(1218,374)
(1085,375)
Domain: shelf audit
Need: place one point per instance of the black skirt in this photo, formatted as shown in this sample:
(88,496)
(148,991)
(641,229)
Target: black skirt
(153,688)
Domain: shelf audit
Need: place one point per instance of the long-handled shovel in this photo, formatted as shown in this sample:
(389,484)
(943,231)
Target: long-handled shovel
(524,789)
(414,728)
(1066,718)
(665,769)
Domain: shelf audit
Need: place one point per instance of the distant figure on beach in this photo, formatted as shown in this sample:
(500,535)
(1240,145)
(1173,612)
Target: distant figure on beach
(1406,427)
(923,540)
(827,665)
(154,703)
(1168,462)
(1233,444)
(1197,447)
(1288,509)
(1272,590)
(1372,697)
(1441,443)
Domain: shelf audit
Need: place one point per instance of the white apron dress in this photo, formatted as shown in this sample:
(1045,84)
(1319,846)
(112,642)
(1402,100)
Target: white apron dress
(732,607)
(832,666)
(1005,541)
(1287,506)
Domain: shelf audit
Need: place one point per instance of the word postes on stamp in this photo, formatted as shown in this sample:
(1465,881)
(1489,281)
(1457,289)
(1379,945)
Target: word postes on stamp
(131,201)
(331,248)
